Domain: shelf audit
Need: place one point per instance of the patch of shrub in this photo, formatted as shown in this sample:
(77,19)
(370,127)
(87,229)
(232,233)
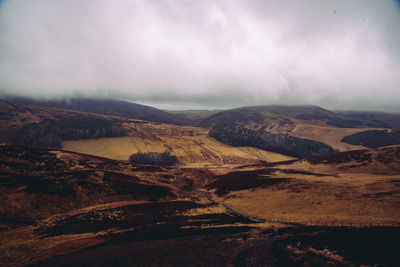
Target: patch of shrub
(153,158)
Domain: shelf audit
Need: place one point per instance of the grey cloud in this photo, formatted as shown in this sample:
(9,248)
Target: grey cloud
(339,54)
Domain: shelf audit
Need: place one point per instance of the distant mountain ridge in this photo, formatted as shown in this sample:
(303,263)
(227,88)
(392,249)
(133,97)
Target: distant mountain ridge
(348,119)
(111,107)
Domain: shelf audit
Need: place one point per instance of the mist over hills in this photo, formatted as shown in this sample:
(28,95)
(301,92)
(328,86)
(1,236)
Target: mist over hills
(337,54)
(128,109)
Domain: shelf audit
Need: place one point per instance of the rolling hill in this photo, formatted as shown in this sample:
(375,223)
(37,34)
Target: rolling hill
(43,126)
(110,107)
(224,204)
(305,122)
(14,116)
(56,202)
(308,114)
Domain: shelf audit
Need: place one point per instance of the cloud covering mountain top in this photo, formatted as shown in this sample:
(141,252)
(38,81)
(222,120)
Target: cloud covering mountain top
(339,54)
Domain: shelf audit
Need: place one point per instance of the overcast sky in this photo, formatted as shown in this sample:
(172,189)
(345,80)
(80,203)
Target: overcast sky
(339,54)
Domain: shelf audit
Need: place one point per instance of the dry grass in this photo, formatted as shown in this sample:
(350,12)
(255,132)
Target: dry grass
(348,192)
(191,145)
(308,201)
(327,134)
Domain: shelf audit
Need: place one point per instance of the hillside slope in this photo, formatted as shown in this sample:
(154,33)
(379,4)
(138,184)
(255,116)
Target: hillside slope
(60,208)
(13,116)
(60,203)
(43,126)
(307,122)
(356,187)
(191,145)
(108,107)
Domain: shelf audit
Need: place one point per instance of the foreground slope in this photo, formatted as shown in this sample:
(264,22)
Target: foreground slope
(356,187)
(61,208)
(56,202)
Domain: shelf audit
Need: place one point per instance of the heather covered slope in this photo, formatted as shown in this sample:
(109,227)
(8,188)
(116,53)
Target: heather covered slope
(225,205)
(108,107)
(38,126)
(68,209)
(14,116)
(37,183)
(56,202)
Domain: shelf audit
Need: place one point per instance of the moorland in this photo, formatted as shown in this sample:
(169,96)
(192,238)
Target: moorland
(94,182)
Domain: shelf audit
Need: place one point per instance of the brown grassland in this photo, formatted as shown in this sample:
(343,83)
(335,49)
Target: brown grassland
(355,188)
(192,146)
(327,134)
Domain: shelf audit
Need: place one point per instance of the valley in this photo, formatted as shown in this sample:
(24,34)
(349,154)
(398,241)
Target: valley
(192,146)
(80,202)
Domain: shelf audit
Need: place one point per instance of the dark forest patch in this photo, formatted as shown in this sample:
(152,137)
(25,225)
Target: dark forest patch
(50,132)
(153,158)
(374,138)
(236,181)
(275,142)
(344,123)
(342,157)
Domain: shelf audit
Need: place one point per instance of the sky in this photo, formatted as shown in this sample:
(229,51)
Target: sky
(338,54)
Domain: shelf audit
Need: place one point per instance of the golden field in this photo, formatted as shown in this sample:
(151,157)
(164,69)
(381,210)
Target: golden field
(327,134)
(191,145)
